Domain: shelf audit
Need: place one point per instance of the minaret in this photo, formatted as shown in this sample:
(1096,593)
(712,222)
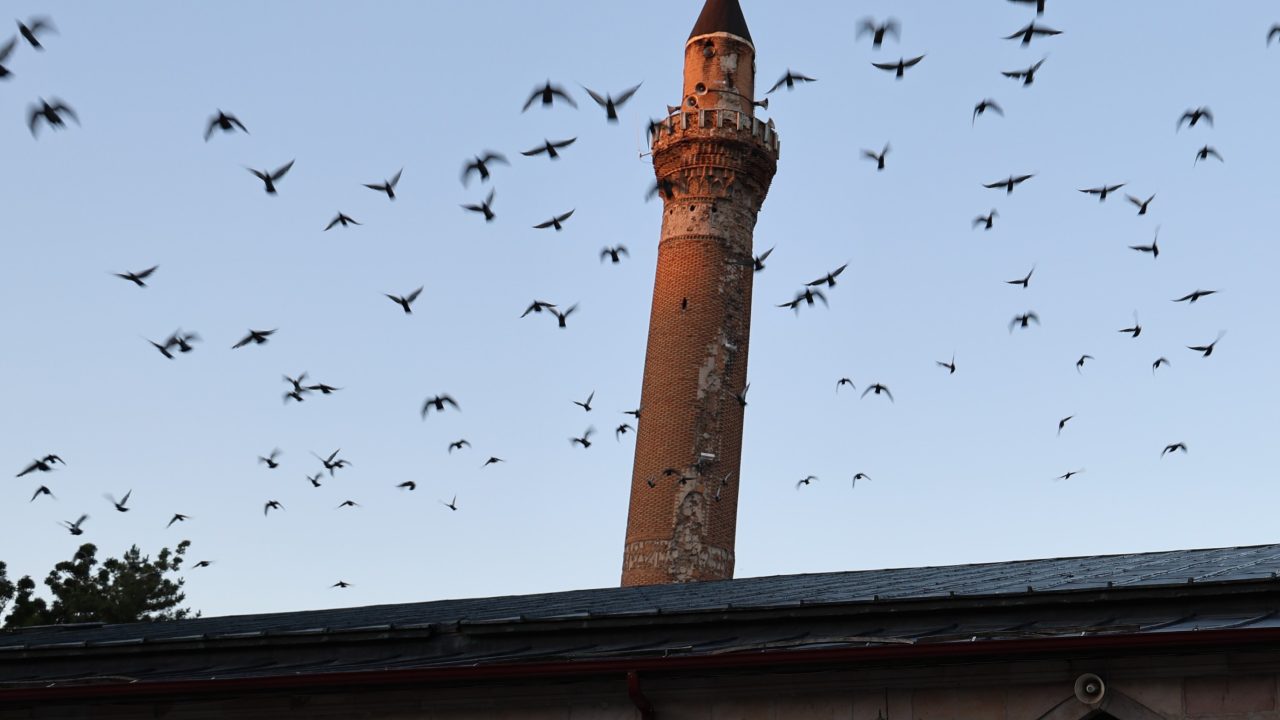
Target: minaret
(713,160)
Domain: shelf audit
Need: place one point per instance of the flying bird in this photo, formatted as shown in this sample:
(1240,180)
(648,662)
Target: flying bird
(74,527)
(537,306)
(1024,320)
(405,301)
(757,262)
(857,477)
(297,382)
(137,278)
(877,32)
(609,103)
(492,461)
(333,462)
(120,504)
(899,68)
(270,179)
(1027,76)
(1063,423)
(550,147)
(1153,248)
(555,222)
(878,157)
(1102,191)
(987,221)
(1207,350)
(347,503)
(742,396)
(177,517)
(42,490)
(621,430)
(44,464)
(314,479)
(1081,361)
(224,122)
(807,480)
(202,564)
(1191,117)
(586,405)
(878,389)
(324,389)
(1273,34)
(1008,183)
(950,366)
(387,186)
(548,93)
(982,107)
(1142,204)
(1135,330)
(1069,474)
(829,279)
(1159,361)
(1205,153)
(480,165)
(563,317)
(807,296)
(790,80)
(613,252)
(1175,447)
(452,504)
(341,219)
(270,460)
(1025,282)
(408,485)
(1194,296)
(5,51)
(35,25)
(271,505)
(438,402)
(585,440)
(1031,31)
(341,584)
(51,113)
(486,207)
(256,337)
(844,381)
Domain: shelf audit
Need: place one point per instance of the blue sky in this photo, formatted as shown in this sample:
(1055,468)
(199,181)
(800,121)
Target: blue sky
(962,465)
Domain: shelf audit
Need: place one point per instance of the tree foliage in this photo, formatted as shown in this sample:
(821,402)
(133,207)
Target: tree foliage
(131,588)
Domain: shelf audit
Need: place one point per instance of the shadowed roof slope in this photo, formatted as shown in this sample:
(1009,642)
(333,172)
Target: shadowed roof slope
(721,16)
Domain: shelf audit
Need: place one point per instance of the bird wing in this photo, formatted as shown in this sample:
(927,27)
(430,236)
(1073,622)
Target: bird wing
(779,84)
(893,67)
(564,143)
(333,222)
(247,339)
(558,92)
(543,226)
(395,179)
(565,216)
(125,499)
(998,183)
(1018,74)
(532,96)
(535,151)
(626,95)
(414,295)
(594,96)
(284,170)
(208,133)
(866,26)
(913,61)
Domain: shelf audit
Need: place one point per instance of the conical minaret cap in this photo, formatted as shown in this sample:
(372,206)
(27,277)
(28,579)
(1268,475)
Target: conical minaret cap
(721,16)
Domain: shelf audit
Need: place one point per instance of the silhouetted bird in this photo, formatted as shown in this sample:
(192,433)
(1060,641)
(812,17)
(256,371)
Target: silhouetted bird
(485,208)
(347,503)
(1135,330)
(586,405)
(621,430)
(878,389)
(1081,361)
(742,396)
(856,477)
(74,527)
(256,337)
(757,263)
(324,389)
(563,317)
(613,252)
(807,296)
(137,277)
(1205,153)
(5,51)
(981,108)
(899,68)
(314,479)
(550,147)
(35,25)
(1009,183)
(452,504)
(806,481)
(341,219)
(408,485)
(405,301)
(1102,191)
(492,461)
(555,222)
(844,381)
(333,463)
(1025,282)
(121,503)
(1207,350)
(1031,31)
(182,340)
(202,564)
(829,279)
(1142,204)
(270,460)
(1195,295)
(270,179)
(387,186)
(1027,76)
(585,440)
(790,80)
(548,93)
(1175,447)
(950,366)
(51,113)
(297,382)
(438,402)
(164,349)
(1069,474)
(44,464)
(341,584)
(537,306)
(1024,320)
(1063,423)
(1159,361)
(1191,117)
(1038,3)
(271,505)
(868,26)
(1272,34)
(224,122)
(42,490)
(879,158)
(609,103)
(480,164)
(987,221)
(1153,248)
(177,517)
(633,413)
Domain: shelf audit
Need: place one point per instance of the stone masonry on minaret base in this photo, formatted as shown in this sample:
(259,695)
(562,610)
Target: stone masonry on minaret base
(714,161)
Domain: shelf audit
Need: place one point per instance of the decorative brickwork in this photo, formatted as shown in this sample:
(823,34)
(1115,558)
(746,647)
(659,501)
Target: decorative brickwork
(714,161)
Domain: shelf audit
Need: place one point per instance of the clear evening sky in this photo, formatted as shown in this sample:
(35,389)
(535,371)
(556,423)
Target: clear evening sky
(963,465)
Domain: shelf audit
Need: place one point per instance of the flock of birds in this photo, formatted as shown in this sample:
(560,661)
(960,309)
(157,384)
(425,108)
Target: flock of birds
(55,113)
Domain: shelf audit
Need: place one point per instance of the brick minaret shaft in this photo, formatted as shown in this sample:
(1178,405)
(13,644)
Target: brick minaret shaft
(714,161)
